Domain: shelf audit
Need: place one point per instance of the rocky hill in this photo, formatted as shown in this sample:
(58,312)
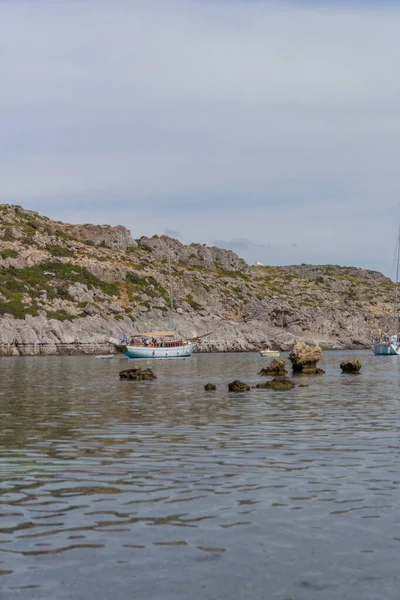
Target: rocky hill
(69,288)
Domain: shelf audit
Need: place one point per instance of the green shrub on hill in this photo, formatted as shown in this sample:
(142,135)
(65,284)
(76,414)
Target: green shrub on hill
(8,234)
(18,309)
(62,315)
(34,279)
(137,283)
(8,253)
(195,305)
(59,251)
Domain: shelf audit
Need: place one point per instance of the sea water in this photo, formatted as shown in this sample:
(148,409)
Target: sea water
(113,489)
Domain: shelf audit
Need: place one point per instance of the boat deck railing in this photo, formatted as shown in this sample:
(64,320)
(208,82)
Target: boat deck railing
(175,344)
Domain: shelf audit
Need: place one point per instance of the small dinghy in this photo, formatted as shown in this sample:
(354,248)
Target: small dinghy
(270,353)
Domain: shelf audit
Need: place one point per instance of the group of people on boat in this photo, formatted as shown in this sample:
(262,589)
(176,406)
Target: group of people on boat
(155,343)
(389,340)
(152,342)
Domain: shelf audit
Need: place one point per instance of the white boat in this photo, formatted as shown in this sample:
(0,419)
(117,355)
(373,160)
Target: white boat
(271,353)
(157,344)
(389,345)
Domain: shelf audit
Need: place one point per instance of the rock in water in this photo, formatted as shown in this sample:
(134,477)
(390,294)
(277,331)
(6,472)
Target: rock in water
(278,383)
(238,386)
(276,367)
(304,358)
(210,387)
(351,366)
(136,374)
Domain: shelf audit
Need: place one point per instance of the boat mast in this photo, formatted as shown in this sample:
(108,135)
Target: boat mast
(396,293)
(171,297)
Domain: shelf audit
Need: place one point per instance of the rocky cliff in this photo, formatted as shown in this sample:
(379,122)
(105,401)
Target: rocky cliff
(69,288)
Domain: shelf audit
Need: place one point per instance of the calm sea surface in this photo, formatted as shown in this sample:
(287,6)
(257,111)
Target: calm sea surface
(160,490)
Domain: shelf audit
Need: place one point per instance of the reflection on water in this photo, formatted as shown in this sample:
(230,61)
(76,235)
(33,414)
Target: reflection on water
(162,490)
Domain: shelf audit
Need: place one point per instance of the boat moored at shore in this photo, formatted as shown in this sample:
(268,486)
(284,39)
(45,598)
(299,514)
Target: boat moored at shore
(267,352)
(157,344)
(388,346)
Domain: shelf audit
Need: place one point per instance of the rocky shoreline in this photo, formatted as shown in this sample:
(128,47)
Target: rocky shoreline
(68,289)
(93,335)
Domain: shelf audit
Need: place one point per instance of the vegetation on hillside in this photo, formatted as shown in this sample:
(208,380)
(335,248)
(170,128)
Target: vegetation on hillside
(66,272)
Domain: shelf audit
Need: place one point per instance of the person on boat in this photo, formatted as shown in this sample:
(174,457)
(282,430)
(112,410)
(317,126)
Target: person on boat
(124,339)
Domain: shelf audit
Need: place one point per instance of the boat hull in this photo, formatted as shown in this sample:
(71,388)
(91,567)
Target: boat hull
(183,351)
(272,353)
(385,349)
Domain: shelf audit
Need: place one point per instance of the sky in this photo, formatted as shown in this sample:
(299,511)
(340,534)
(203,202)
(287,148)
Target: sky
(271,128)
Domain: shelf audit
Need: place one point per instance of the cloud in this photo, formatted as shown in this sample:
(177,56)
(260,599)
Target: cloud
(239,244)
(273,121)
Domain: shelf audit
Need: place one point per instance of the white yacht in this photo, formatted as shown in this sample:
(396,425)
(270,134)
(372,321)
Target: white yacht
(157,344)
(386,346)
(389,345)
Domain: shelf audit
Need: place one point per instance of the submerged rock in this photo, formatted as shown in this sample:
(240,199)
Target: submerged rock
(312,371)
(304,358)
(351,366)
(276,367)
(238,386)
(137,374)
(210,387)
(278,383)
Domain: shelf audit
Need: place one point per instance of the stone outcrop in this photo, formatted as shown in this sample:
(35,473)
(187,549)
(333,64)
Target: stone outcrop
(112,237)
(210,387)
(279,384)
(69,288)
(276,367)
(351,366)
(137,374)
(208,257)
(305,357)
(238,386)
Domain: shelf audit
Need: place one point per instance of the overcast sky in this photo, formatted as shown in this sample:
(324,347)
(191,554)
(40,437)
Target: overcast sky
(272,128)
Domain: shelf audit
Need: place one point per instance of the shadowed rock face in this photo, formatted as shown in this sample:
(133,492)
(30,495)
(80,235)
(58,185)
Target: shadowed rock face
(238,386)
(279,384)
(304,358)
(351,366)
(276,367)
(137,374)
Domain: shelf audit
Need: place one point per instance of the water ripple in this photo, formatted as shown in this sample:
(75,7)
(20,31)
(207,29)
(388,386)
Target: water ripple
(173,493)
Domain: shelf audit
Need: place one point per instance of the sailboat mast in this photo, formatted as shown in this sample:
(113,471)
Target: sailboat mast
(171,297)
(396,300)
